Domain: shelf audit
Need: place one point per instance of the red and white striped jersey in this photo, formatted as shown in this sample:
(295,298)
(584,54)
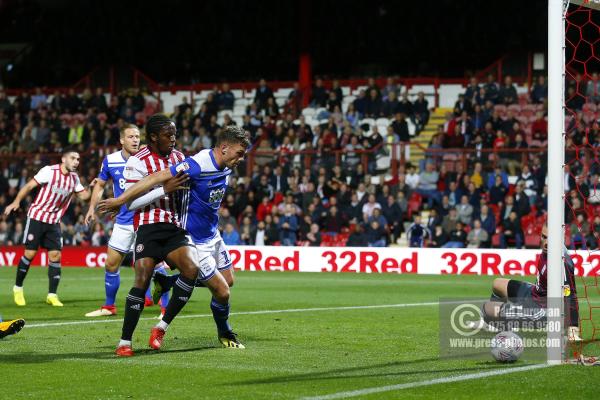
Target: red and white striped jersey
(55,194)
(145,163)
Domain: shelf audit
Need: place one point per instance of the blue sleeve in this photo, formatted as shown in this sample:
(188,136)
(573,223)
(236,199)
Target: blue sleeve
(104,173)
(189,166)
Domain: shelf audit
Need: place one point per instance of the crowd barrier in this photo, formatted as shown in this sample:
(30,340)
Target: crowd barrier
(353,260)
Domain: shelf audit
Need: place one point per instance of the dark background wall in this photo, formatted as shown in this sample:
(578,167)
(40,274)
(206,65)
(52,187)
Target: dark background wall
(180,41)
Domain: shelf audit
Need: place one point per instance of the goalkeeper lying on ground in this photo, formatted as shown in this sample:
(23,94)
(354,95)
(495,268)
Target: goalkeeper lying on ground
(516,303)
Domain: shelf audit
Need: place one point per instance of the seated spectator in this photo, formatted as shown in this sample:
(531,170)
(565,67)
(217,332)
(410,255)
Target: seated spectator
(440,238)
(477,236)
(375,235)
(421,111)
(392,211)
(454,194)
(225,98)
(462,105)
(507,93)
(245,231)
(334,221)
(449,222)
(511,231)
(357,237)
(498,191)
(457,237)
(539,92)
(592,89)
(259,235)
(417,232)
(314,236)
(522,203)
(369,206)
(318,96)
(427,186)
(488,223)
(539,130)
(580,232)
(464,210)
(360,103)
(373,105)
(271,229)
(288,225)
(230,236)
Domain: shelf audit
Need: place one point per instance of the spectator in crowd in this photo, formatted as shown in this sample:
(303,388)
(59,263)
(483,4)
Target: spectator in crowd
(375,235)
(477,236)
(417,232)
(427,186)
(457,237)
(440,238)
(465,210)
(231,237)
(314,236)
(263,93)
(539,92)
(511,231)
(507,93)
(319,95)
(488,223)
(288,226)
(592,89)
(357,237)
(225,98)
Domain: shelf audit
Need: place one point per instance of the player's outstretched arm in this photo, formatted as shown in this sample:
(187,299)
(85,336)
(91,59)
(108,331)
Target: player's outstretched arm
(173,184)
(32,184)
(135,191)
(86,194)
(96,196)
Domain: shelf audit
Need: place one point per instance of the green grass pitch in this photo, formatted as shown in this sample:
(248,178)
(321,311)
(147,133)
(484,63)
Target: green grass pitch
(313,347)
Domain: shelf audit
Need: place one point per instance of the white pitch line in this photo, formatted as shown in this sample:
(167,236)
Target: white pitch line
(290,310)
(409,385)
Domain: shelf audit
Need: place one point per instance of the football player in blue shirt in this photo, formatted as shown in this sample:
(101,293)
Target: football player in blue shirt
(208,173)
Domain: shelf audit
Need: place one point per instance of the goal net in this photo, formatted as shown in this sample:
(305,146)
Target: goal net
(582,166)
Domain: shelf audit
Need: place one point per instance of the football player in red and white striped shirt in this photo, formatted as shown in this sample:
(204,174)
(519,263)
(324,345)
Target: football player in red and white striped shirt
(159,236)
(57,184)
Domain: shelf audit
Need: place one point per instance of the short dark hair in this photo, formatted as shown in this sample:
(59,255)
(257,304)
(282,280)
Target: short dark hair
(69,149)
(156,123)
(234,134)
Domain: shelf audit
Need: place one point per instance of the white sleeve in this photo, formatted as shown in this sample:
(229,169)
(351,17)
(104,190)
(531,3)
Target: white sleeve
(146,199)
(135,170)
(44,175)
(78,186)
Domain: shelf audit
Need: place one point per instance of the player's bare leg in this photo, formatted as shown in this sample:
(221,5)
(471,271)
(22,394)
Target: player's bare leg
(22,270)
(54,273)
(229,276)
(500,289)
(112,282)
(186,260)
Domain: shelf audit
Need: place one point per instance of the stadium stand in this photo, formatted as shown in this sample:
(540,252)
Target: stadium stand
(326,159)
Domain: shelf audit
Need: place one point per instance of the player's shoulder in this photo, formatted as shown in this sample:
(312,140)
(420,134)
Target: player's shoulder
(140,155)
(176,156)
(115,158)
(206,161)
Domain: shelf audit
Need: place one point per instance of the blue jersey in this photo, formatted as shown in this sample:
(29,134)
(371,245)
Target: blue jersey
(200,205)
(112,168)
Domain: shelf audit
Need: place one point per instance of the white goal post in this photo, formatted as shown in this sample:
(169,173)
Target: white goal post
(556,150)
